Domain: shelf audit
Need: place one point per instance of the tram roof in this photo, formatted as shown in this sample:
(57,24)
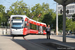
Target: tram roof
(37,22)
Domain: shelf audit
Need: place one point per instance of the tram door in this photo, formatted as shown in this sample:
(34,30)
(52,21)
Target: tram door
(40,30)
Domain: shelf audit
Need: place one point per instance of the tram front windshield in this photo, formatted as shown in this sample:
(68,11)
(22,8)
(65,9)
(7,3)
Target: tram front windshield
(17,24)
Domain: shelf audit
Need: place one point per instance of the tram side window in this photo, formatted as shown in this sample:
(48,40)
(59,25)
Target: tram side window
(32,26)
(28,25)
(40,28)
(25,24)
(44,28)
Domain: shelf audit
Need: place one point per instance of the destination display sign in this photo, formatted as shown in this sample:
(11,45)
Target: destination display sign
(17,18)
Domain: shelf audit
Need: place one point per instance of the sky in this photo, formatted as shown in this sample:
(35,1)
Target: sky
(31,3)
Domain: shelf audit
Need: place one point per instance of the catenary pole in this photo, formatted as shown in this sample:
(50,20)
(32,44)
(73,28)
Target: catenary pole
(56,18)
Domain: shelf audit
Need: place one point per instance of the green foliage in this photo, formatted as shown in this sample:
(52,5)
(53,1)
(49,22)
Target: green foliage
(19,8)
(70,25)
(2,14)
(73,17)
(54,23)
(40,9)
(2,8)
(73,26)
(39,12)
(47,19)
(33,26)
(60,22)
(47,15)
(4,18)
(42,13)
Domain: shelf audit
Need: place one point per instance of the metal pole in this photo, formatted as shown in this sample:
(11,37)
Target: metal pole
(56,18)
(64,23)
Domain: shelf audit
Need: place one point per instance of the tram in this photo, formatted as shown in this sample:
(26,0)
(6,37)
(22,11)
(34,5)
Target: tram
(21,25)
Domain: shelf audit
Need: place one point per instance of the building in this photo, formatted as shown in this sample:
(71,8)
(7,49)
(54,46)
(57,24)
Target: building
(70,7)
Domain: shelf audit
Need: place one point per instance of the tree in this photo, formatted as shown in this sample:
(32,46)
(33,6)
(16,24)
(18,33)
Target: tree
(73,26)
(2,10)
(3,15)
(60,22)
(44,14)
(36,10)
(39,11)
(70,25)
(5,18)
(73,17)
(19,8)
(49,19)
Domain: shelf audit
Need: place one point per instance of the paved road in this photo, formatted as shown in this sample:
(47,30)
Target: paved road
(7,44)
(32,42)
(20,44)
(29,45)
(69,38)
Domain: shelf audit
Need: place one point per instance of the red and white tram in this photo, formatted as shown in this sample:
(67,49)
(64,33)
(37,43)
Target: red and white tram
(22,25)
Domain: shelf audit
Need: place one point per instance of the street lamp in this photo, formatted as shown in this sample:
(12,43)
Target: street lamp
(64,3)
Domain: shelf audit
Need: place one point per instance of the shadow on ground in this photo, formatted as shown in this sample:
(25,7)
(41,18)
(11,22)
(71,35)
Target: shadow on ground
(30,45)
(55,44)
(43,44)
(36,44)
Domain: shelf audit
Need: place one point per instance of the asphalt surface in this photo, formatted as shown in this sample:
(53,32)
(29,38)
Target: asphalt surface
(22,44)
(32,46)
(7,44)
(35,42)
